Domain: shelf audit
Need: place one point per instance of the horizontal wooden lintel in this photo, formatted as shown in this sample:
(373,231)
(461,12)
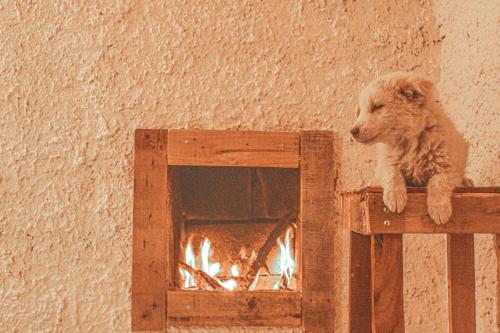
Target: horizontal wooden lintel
(213,308)
(233,148)
(476,210)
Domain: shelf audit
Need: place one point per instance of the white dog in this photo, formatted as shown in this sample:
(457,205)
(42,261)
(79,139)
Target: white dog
(417,143)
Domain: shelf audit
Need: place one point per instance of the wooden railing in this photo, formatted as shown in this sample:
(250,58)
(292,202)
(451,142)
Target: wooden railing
(376,254)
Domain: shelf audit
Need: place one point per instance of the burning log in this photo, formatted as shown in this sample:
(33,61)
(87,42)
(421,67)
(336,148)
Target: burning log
(247,279)
(203,280)
(206,277)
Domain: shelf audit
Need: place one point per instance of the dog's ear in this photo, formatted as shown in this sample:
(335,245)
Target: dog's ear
(415,89)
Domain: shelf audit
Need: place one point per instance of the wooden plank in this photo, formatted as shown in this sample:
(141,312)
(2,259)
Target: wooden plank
(461,284)
(149,245)
(212,308)
(360,301)
(477,212)
(176,226)
(148,312)
(233,148)
(497,241)
(150,230)
(353,213)
(387,283)
(461,189)
(148,278)
(317,221)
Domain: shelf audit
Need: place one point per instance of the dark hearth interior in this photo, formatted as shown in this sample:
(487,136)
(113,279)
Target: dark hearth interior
(237,228)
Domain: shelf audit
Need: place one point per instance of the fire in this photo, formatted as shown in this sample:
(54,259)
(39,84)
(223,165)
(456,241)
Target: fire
(284,261)
(210,268)
(191,261)
(206,253)
(234,270)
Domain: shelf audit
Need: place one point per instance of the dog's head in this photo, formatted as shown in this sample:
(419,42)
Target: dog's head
(391,107)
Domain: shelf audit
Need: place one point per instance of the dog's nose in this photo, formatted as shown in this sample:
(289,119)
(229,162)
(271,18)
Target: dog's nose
(355,131)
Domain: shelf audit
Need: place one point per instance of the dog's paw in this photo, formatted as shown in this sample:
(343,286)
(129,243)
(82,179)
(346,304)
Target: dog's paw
(439,209)
(395,199)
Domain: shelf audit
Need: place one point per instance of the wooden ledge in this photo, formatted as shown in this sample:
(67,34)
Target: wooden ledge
(254,308)
(476,210)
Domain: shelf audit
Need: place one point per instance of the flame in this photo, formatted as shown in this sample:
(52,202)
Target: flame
(234,271)
(212,269)
(253,286)
(286,261)
(230,284)
(191,261)
(206,253)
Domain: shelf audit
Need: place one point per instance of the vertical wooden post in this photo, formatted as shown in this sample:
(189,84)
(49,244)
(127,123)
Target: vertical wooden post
(360,298)
(461,284)
(497,243)
(150,233)
(387,283)
(317,220)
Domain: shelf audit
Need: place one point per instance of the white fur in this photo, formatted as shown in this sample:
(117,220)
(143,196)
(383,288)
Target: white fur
(417,143)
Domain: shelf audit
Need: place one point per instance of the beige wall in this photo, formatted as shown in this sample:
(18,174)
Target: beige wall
(76,79)
(470,90)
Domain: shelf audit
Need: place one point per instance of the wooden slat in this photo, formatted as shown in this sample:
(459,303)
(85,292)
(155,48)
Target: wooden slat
(353,209)
(360,301)
(233,148)
(461,284)
(472,213)
(387,283)
(149,245)
(461,189)
(259,308)
(497,241)
(150,231)
(176,227)
(317,220)
(148,312)
(148,278)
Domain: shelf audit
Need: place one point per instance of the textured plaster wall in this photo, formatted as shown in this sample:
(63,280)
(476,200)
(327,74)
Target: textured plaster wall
(76,79)
(470,90)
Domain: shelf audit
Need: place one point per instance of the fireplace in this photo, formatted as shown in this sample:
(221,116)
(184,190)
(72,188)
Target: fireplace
(233,228)
(238,228)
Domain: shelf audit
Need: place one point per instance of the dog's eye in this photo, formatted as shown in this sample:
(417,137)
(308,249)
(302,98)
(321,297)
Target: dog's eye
(377,106)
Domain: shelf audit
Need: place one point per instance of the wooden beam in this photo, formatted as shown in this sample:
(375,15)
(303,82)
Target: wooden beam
(317,181)
(476,211)
(257,308)
(233,148)
(353,210)
(148,312)
(461,284)
(149,250)
(175,228)
(360,298)
(387,283)
(461,189)
(497,244)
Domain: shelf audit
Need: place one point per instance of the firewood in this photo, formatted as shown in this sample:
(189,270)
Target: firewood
(260,261)
(202,279)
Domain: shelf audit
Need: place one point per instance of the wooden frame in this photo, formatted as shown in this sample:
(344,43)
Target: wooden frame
(156,303)
(376,255)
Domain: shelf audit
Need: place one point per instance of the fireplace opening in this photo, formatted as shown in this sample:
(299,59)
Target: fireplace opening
(236,228)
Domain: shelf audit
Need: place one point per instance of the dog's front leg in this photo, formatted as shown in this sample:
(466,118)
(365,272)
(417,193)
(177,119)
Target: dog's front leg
(439,190)
(395,196)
